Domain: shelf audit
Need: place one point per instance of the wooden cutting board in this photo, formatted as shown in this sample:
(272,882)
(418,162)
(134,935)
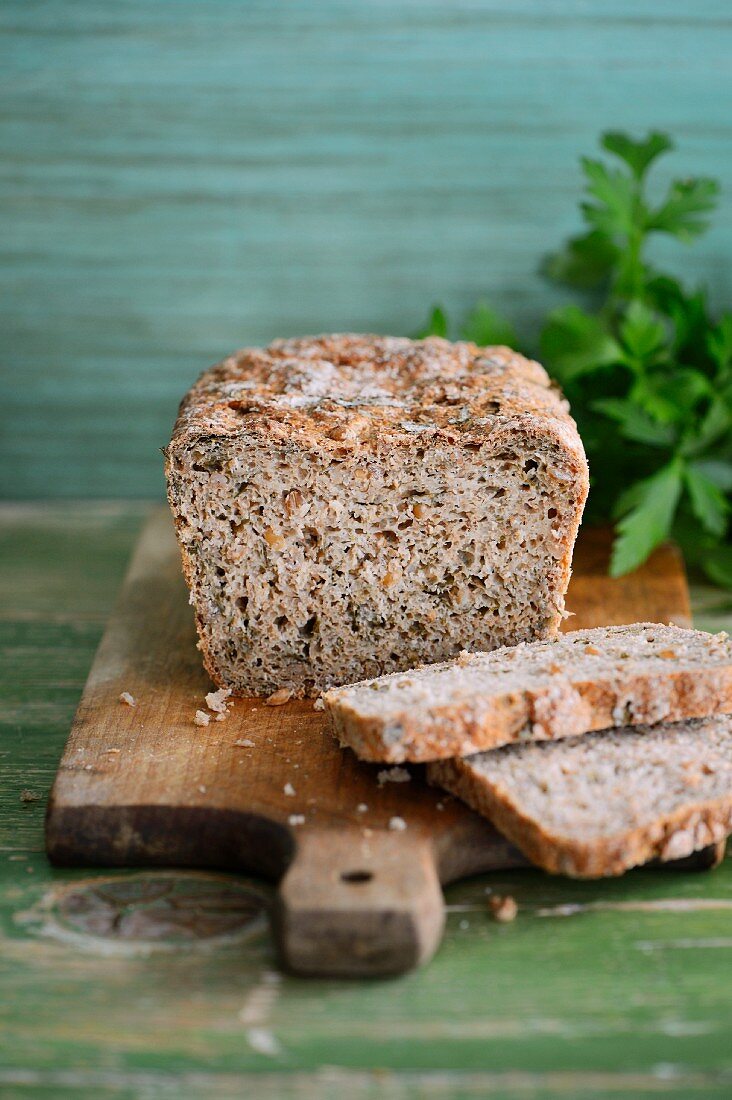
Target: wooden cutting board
(268,790)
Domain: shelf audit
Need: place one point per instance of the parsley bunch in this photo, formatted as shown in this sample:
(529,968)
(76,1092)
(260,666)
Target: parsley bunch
(647,369)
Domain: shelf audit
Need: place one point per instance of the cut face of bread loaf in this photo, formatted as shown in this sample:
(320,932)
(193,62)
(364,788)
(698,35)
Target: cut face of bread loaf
(596,805)
(353,505)
(584,680)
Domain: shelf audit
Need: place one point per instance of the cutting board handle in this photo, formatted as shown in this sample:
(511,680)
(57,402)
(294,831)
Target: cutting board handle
(359,902)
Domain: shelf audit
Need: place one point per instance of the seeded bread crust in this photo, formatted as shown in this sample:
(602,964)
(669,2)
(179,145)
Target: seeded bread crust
(350,505)
(582,681)
(597,805)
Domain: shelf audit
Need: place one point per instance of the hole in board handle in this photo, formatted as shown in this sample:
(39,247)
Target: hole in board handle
(355,878)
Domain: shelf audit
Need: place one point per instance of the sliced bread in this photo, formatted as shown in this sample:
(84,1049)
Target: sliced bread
(585,680)
(596,805)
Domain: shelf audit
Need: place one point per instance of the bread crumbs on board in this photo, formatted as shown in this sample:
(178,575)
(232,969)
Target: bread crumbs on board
(393,775)
(503,908)
(279,697)
(397,824)
(201,718)
(289,790)
(216,700)
(127,699)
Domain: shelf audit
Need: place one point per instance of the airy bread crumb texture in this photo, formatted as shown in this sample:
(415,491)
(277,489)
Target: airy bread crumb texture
(596,805)
(584,680)
(352,505)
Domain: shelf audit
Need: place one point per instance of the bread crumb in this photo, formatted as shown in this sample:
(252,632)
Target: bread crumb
(201,718)
(397,824)
(296,819)
(393,775)
(201,788)
(244,743)
(319,703)
(277,698)
(289,790)
(503,908)
(361,808)
(112,750)
(216,700)
(440,806)
(88,767)
(30,796)
(127,699)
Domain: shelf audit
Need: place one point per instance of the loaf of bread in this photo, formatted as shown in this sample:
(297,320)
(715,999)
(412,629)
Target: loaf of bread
(596,805)
(585,680)
(353,505)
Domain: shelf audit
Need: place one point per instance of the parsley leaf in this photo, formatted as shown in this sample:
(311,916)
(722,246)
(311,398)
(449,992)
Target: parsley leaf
(585,262)
(484,327)
(634,422)
(717,564)
(638,155)
(719,343)
(616,195)
(682,214)
(647,522)
(708,503)
(643,335)
(436,324)
(575,343)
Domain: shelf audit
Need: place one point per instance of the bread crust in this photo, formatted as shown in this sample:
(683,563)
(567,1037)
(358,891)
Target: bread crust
(366,403)
(670,836)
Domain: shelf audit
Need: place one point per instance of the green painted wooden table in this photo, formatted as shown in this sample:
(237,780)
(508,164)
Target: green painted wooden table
(153,985)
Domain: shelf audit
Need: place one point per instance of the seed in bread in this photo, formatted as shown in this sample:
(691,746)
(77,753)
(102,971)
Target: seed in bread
(353,505)
(599,804)
(582,681)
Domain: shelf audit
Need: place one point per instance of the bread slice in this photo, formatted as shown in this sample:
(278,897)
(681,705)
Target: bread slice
(582,681)
(353,505)
(596,805)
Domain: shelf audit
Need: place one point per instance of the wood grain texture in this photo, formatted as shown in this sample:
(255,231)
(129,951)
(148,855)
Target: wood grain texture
(179,179)
(268,789)
(597,990)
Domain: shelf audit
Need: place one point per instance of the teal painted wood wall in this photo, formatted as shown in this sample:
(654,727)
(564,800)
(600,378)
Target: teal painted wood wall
(179,178)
